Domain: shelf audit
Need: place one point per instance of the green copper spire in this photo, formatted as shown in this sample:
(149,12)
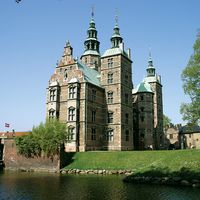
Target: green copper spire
(116,38)
(151,69)
(92,43)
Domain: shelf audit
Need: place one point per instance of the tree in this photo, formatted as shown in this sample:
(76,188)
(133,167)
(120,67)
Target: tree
(166,121)
(45,138)
(191,85)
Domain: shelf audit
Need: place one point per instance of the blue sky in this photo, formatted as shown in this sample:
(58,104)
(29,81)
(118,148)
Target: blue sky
(33,34)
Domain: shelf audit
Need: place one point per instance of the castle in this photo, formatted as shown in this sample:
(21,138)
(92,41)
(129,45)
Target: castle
(96,99)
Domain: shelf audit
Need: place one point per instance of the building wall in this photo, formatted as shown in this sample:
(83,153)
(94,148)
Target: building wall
(192,140)
(158,115)
(178,140)
(15,161)
(121,87)
(172,138)
(143,121)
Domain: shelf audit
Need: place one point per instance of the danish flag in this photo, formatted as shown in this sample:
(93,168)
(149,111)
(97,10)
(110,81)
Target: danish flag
(7,125)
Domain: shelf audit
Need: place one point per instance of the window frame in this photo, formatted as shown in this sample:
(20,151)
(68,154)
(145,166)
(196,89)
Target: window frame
(72,92)
(71,114)
(110,78)
(110,97)
(110,117)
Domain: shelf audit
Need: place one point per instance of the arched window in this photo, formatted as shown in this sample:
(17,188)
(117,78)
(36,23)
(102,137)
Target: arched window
(110,135)
(52,113)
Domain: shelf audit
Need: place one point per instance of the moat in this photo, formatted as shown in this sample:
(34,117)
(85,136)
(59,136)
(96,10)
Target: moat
(25,186)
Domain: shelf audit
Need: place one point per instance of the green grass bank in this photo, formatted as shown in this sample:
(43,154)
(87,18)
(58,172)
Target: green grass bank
(181,162)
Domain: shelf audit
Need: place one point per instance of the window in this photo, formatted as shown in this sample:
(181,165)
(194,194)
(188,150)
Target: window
(110,117)
(65,74)
(127,135)
(126,78)
(51,114)
(93,96)
(71,114)
(110,62)
(85,60)
(72,92)
(170,136)
(126,118)
(110,78)
(126,98)
(52,95)
(109,136)
(142,118)
(110,97)
(189,135)
(93,116)
(93,136)
(141,97)
(142,109)
(71,133)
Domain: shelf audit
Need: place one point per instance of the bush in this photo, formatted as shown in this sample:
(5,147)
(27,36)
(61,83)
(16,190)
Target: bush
(45,138)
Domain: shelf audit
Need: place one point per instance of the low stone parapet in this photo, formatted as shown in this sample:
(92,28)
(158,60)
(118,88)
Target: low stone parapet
(100,172)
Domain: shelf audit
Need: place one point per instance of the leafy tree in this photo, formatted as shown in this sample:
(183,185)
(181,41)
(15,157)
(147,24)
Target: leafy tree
(44,139)
(28,145)
(166,121)
(191,85)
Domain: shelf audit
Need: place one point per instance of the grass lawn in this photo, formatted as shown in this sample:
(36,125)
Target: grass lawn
(158,162)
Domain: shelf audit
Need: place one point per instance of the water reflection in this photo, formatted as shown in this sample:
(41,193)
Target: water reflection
(25,186)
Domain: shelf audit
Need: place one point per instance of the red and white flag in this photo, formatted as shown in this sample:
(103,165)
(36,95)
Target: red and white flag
(7,125)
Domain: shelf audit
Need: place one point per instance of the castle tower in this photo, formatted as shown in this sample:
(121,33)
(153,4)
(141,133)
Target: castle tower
(116,78)
(155,81)
(91,55)
(143,117)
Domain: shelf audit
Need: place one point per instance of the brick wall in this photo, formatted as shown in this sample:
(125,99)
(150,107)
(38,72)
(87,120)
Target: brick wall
(15,161)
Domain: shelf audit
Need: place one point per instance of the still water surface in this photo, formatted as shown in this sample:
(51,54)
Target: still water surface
(31,186)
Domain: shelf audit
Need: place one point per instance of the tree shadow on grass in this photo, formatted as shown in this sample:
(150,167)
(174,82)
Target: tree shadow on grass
(66,158)
(184,173)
